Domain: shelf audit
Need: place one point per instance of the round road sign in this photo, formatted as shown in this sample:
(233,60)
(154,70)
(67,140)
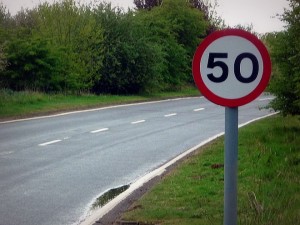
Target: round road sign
(231,67)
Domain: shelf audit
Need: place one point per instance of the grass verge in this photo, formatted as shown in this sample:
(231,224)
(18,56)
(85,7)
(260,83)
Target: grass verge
(24,104)
(268,181)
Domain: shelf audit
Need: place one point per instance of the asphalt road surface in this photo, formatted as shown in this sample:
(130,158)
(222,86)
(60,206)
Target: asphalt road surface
(52,168)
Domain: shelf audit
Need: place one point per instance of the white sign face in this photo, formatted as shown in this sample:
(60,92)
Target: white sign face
(218,62)
(231,67)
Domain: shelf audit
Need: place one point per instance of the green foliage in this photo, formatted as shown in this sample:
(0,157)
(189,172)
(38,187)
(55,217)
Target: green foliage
(71,47)
(4,22)
(176,27)
(52,48)
(206,7)
(173,56)
(74,29)
(130,61)
(31,65)
(285,51)
(3,60)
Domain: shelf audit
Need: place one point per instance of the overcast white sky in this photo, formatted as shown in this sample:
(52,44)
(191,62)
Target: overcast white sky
(259,13)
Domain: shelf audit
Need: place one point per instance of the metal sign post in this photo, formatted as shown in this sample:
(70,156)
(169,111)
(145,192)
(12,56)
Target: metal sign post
(231,68)
(230,166)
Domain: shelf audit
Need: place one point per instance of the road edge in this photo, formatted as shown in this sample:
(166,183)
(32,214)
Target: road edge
(136,189)
(94,109)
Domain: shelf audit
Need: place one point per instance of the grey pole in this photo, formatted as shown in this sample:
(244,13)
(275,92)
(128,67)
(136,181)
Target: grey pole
(231,159)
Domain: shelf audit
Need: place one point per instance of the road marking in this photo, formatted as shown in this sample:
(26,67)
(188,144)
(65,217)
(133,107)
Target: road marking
(139,121)
(50,142)
(197,110)
(100,130)
(265,99)
(6,153)
(172,114)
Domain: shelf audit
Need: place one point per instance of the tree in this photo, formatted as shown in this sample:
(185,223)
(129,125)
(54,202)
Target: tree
(63,30)
(285,52)
(204,6)
(73,28)
(3,20)
(130,60)
(177,28)
(3,61)
(5,23)
(66,46)
(31,65)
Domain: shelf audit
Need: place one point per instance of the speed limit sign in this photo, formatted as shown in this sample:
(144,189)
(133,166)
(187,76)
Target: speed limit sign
(231,67)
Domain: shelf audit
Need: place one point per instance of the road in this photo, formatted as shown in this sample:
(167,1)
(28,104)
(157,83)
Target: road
(52,168)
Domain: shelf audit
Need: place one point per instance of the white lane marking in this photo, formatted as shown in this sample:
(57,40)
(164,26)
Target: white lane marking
(139,121)
(265,99)
(6,153)
(50,142)
(172,114)
(197,110)
(259,118)
(100,130)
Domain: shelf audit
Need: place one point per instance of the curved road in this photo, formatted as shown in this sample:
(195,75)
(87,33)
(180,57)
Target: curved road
(52,168)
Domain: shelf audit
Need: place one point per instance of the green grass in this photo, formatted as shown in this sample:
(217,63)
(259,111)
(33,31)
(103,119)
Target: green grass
(268,181)
(24,104)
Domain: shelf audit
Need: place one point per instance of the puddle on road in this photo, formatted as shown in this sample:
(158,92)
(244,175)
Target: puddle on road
(109,195)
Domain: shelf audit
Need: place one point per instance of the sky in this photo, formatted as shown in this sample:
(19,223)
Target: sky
(259,13)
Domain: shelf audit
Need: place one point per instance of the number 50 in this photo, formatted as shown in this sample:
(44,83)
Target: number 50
(213,62)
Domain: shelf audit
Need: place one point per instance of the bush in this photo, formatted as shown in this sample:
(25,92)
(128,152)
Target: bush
(285,51)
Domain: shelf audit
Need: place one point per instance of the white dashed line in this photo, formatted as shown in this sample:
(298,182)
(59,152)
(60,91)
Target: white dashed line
(139,121)
(172,114)
(6,153)
(197,110)
(50,142)
(100,130)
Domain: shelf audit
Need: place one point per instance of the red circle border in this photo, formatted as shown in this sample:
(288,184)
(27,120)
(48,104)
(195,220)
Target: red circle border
(225,101)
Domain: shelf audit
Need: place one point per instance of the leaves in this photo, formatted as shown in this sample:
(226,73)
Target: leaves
(285,51)
(68,46)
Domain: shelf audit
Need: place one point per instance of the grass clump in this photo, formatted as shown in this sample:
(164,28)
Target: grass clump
(268,181)
(29,103)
